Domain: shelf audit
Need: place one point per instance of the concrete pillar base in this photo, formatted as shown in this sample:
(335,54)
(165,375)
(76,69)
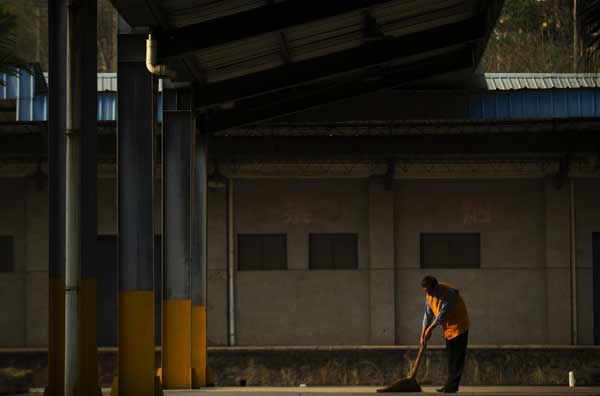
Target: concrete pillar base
(199,354)
(88,351)
(176,352)
(157,391)
(56,338)
(136,343)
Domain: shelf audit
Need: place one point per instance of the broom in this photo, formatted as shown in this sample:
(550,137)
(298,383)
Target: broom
(408,384)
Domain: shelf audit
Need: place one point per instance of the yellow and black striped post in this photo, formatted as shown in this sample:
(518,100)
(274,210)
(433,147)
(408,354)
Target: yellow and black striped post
(135,161)
(178,130)
(199,264)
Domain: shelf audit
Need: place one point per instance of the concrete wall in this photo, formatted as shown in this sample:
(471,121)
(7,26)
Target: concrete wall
(13,290)
(558,263)
(298,306)
(520,295)
(506,297)
(217,267)
(587,214)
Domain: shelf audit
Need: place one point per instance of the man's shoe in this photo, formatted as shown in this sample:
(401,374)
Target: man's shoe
(441,390)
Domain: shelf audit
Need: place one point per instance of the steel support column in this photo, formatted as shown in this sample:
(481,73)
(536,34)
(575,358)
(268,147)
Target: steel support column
(135,161)
(81,365)
(57,102)
(199,263)
(177,146)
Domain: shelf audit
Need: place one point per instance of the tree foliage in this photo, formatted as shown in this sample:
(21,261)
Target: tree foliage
(9,60)
(589,32)
(32,32)
(532,36)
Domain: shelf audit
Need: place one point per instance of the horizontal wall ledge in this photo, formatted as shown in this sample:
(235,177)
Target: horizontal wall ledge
(488,365)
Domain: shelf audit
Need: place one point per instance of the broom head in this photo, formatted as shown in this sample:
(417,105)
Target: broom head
(403,385)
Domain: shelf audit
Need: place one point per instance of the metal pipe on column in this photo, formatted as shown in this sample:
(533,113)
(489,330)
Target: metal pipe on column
(178,131)
(573,252)
(73,264)
(230,263)
(57,56)
(137,90)
(73,187)
(199,263)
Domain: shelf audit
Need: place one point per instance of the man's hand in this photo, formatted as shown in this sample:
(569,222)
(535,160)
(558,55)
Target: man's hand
(426,334)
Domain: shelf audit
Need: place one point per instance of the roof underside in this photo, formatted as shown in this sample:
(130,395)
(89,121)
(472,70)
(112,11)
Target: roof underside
(259,59)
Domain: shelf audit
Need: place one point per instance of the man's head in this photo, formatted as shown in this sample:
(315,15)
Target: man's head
(429,284)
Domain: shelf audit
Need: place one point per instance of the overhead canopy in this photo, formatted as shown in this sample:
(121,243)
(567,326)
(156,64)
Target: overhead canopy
(254,60)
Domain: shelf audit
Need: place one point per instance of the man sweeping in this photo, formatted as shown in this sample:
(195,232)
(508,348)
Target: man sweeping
(445,307)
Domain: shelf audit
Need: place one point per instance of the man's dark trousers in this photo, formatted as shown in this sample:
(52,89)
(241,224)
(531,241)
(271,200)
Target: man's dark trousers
(457,352)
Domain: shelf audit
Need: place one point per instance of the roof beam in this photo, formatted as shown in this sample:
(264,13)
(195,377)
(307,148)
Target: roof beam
(284,48)
(269,18)
(370,54)
(21,141)
(299,100)
(278,148)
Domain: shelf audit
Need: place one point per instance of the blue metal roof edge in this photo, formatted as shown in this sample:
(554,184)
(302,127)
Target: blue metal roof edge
(508,96)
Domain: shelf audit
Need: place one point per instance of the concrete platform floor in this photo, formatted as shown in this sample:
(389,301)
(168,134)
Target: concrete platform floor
(366,390)
(362,391)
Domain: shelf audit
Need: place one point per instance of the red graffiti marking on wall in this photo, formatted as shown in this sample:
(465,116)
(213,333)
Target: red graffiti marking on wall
(476,213)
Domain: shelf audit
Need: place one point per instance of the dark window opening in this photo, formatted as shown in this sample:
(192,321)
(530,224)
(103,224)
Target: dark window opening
(262,252)
(333,251)
(450,251)
(7,254)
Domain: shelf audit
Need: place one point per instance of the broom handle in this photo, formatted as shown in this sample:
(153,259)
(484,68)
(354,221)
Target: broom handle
(413,372)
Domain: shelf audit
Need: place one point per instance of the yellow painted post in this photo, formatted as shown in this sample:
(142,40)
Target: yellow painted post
(137,90)
(56,337)
(199,262)
(176,344)
(136,343)
(199,355)
(178,130)
(88,350)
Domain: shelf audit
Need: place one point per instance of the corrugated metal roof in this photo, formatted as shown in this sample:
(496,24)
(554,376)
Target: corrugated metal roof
(185,12)
(508,96)
(311,40)
(515,81)
(107,82)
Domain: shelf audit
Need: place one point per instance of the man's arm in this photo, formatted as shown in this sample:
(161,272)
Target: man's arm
(446,307)
(427,318)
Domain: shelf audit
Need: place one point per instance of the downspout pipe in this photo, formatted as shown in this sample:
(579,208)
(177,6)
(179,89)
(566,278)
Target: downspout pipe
(573,251)
(230,264)
(160,71)
(73,201)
